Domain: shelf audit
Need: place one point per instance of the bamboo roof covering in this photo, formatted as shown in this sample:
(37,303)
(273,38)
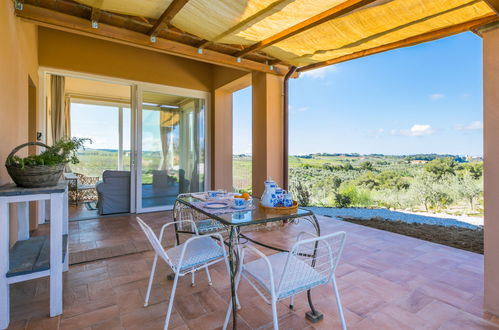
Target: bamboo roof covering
(302,33)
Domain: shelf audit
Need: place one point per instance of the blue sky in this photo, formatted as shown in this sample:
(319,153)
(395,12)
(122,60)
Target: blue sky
(421,99)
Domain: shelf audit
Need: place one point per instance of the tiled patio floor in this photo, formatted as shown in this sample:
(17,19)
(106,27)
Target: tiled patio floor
(386,281)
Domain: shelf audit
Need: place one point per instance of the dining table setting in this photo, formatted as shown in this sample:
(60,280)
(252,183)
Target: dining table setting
(229,213)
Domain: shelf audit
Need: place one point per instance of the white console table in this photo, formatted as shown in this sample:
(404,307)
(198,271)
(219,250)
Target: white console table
(33,257)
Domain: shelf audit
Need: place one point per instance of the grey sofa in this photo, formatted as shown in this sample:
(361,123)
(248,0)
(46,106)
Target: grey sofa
(114,192)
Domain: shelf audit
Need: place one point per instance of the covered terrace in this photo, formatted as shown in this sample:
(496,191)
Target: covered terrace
(219,47)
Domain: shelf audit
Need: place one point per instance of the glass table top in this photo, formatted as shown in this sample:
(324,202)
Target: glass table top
(244,218)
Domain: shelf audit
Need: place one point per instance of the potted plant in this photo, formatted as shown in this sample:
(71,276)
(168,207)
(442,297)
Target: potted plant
(45,169)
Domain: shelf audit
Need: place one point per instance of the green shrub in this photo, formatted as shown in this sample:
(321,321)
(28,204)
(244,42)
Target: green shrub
(342,200)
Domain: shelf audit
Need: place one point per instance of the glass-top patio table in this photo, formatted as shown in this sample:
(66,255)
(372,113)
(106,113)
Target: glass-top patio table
(189,207)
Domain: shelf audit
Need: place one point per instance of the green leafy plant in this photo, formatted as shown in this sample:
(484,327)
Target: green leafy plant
(62,152)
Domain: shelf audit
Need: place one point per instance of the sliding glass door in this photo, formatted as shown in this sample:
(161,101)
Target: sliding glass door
(171,148)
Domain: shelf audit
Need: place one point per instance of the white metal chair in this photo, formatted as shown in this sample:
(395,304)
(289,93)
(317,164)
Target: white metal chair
(196,253)
(310,263)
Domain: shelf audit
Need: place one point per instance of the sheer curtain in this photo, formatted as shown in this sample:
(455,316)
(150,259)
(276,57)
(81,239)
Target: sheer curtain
(191,151)
(169,120)
(59,109)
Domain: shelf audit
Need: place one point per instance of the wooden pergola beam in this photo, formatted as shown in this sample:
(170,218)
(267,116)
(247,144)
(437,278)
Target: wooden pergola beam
(337,11)
(167,16)
(494,4)
(425,37)
(73,24)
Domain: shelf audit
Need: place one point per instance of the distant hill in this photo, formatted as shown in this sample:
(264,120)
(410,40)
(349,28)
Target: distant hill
(417,157)
(424,157)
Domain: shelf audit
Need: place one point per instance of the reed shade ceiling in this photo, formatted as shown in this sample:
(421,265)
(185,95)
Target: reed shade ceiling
(246,22)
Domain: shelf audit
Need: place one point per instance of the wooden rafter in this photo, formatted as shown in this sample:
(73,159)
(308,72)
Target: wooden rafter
(425,37)
(167,16)
(337,11)
(255,18)
(142,25)
(73,24)
(494,4)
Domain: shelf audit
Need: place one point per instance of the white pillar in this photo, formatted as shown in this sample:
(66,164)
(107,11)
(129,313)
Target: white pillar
(4,265)
(22,221)
(56,266)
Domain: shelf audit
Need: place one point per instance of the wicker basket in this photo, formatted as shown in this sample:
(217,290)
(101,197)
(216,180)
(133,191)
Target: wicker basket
(281,209)
(34,176)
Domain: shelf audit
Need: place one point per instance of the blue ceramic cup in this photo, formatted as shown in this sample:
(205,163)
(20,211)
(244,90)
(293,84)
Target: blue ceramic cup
(287,200)
(239,202)
(212,193)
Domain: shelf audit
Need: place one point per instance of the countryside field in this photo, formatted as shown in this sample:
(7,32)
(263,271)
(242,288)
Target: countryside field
(443,183)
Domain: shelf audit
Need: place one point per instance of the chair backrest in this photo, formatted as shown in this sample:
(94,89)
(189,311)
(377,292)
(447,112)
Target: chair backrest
(312,260)
(153,239)
(109,176)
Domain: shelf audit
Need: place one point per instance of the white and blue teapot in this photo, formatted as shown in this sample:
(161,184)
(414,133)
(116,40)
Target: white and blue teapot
(269,198)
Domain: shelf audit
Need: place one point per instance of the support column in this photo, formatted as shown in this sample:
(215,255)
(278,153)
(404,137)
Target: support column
(222,140)
(268,136)
(491,168)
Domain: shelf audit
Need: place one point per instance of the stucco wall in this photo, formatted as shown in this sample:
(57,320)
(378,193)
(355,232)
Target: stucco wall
(74,52)
(491,169)
(18,62)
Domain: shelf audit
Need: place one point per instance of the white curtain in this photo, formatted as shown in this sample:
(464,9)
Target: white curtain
(59,109)
(168,122)
(191,151)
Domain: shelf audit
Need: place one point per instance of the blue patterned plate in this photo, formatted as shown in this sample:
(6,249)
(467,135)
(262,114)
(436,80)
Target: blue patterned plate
(216,205)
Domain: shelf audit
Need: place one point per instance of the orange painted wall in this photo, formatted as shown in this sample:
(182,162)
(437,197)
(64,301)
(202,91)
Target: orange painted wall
(18,62)
(74,52)
(491,168)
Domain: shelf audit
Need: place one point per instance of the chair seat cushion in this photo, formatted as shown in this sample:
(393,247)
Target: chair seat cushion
(198,252)
(303,278)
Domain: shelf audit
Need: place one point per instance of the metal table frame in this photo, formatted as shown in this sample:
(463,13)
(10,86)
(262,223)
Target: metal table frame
(183,203)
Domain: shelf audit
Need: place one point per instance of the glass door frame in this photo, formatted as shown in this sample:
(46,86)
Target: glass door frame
(177,91)
(136,90)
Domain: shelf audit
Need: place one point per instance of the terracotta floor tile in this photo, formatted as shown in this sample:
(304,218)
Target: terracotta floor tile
(386,281)
(150,316)
(89,319)
(467,321)
(87,307)
(113,324)
(361,301)
(129,301)
(414,302)
(43,323)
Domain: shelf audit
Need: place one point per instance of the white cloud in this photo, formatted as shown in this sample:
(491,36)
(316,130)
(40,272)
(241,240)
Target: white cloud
(320,73)
(437,96)
(377,133)
(473,126)
(415,130)
(294,109)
